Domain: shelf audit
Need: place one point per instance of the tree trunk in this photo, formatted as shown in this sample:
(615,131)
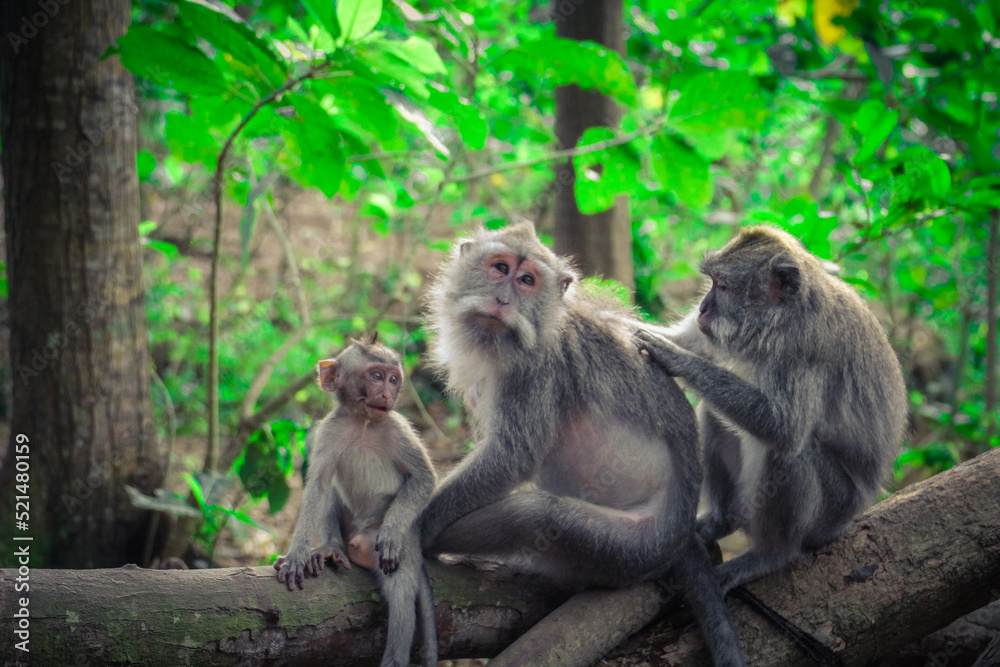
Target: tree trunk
(912,564)
(81,424)
(600,244)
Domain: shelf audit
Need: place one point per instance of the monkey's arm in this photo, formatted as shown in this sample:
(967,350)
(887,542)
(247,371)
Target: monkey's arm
(783,419)
(687,335)
(402,514)
(319,509)
(517,437)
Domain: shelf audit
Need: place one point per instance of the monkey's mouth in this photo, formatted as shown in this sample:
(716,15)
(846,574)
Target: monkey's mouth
(376,412)
(491,323)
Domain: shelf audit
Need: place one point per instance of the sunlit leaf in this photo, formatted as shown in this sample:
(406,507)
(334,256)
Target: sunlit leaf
(716,101)
(357,18)
(568,61)
(603,175)
(682,170)
(874,122)
(420,53)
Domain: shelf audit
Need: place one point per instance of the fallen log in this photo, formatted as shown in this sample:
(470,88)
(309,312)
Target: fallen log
(910,565)
(132,615)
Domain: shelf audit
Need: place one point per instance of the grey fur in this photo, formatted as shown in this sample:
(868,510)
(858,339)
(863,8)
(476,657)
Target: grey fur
(368,476)
(586,469)
(803,401)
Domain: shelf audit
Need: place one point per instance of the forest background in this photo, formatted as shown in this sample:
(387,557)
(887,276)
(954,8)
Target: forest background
(350,144)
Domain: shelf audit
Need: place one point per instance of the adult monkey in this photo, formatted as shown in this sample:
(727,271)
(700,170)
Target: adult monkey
(586,469)
(803,402)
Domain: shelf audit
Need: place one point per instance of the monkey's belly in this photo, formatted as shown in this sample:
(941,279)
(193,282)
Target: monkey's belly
(606,463)
(367,482)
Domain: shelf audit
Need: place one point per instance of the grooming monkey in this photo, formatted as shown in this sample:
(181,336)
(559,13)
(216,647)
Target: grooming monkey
(586,469)
(802,406)
(369,479)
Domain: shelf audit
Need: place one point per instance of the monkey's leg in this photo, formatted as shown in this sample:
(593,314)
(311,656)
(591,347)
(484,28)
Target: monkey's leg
(707,602)
(566,540)
(722,454)
(428,624)
(400,592)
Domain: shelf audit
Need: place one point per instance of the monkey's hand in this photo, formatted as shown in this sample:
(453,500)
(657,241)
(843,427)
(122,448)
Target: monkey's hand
(332,550)
(293,567)
(662,351)
(388,547)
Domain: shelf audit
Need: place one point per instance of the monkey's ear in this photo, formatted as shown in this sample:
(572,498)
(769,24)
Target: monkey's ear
(565,280)
(464,247)
(786,279)
(329,375)
(374,338)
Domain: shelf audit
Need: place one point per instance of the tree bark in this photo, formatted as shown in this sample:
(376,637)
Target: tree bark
(600,244)
(244,616)
(910,565)
(78,327)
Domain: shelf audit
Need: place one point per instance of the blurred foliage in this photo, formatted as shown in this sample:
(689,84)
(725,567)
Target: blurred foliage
(870,131)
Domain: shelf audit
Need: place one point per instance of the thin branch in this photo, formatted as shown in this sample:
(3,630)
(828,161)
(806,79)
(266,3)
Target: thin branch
(426,416)
(293,267)
(560,154)
(211,452)
(262,378)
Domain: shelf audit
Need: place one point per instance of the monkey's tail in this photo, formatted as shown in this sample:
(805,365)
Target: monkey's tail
(817,651)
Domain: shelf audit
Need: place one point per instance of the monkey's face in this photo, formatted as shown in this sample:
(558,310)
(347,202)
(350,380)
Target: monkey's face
(376,389)
(719,316)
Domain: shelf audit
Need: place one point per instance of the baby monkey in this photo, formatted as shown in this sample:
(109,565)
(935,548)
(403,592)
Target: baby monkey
(369,480)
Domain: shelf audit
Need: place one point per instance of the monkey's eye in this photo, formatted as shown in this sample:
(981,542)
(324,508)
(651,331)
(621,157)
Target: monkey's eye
(502,267)
(377,376)
(393,379)
(528,279)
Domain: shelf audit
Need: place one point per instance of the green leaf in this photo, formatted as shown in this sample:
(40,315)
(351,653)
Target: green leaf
(190,140)
(228,34)
(874,122)
(716,101)
(603,175)
(249,218)
(472,127)
(170,62)
(682,170)
(195,486)
(165,247)
(926,174)
(145,164)
(420,53)
(567,61)
(315,140)
(358,17)
(322,11)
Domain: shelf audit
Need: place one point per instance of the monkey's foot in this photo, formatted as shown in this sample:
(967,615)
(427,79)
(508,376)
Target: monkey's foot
(361,551)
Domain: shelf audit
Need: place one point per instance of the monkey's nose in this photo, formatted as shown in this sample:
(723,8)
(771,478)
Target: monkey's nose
(501,302)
